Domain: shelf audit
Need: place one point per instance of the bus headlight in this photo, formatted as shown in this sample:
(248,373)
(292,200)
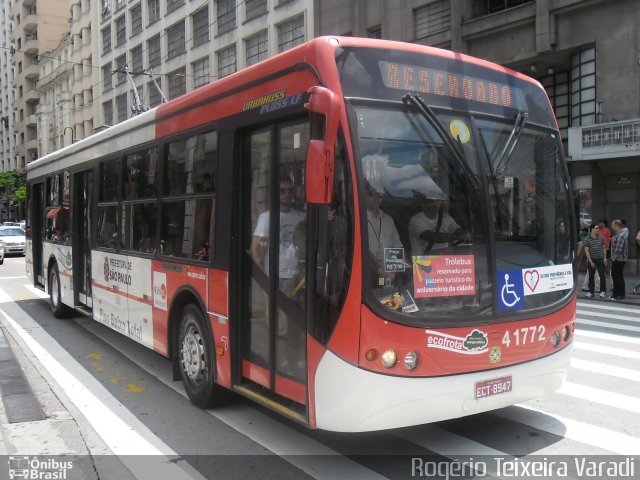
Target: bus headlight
(555,339)
(411,361)
(389,358)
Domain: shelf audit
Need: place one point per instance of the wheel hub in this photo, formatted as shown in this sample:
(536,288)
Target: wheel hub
(192,355)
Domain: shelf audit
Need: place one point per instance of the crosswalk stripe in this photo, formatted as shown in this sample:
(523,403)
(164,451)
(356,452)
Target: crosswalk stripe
(604,369)
(582,432)
(616,352)
(607,336)
(608,307)
(447,443)
(635,318)
(614,326)
(603,397)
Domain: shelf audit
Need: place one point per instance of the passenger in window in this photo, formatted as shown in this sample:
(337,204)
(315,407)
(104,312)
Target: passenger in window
(432,228)
(289,218)
(382,234)
(202,253)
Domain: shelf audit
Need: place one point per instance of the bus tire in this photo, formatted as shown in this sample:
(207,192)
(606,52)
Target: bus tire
(59,309)
(195,358)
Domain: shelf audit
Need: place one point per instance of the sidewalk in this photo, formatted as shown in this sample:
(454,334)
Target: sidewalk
(629,280)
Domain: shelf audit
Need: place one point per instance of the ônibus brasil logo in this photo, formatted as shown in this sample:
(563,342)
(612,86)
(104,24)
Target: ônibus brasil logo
(34,467)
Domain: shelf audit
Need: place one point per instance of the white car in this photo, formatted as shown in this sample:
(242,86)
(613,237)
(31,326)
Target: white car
(13,239)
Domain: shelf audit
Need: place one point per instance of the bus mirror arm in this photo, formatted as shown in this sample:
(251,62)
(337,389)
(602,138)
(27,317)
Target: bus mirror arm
(320,155)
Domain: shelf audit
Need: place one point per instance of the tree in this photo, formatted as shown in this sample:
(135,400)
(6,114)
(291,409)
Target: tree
(12,186)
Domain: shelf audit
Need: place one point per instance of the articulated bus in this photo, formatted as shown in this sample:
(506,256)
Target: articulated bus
(359,234)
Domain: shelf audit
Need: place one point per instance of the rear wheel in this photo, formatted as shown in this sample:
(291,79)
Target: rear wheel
(195,358)
(57,307)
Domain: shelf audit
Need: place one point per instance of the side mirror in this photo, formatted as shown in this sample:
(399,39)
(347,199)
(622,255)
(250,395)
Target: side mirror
(320,156)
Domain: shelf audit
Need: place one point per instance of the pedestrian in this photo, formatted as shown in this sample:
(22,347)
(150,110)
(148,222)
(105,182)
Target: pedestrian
(605,232)
(619,256)
(594,250)
(583,234)
(563,244)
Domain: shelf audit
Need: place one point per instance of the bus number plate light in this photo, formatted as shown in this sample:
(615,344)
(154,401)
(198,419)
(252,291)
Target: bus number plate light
(495,386)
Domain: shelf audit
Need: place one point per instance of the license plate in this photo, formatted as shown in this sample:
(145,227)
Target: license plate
(495,386)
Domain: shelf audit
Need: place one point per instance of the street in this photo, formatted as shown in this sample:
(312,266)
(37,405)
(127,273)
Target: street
(127,399)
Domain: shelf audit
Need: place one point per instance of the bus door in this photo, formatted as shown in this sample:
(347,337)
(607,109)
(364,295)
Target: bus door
(81,246)
(274,231)
(36,223)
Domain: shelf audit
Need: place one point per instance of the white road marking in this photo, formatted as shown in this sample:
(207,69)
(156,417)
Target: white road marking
(586,433)
(36,291)
(307,454)
(603,397)
(616,352)
(607,336)
(609,316)
(604,369)
(13,278)
(614,326)
(608,307)
(123,433)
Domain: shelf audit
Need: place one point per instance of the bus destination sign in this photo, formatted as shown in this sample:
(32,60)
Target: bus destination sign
(411,78)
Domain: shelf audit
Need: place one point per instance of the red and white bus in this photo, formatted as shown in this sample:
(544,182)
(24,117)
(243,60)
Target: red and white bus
(418,265)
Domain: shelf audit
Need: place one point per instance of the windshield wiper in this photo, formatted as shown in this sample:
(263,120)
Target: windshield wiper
(500,206)
(505,155)
(454,147)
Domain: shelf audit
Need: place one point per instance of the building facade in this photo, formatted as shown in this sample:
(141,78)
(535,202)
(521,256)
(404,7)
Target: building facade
(586,53)
(170,47)
(38,27)
(6,90)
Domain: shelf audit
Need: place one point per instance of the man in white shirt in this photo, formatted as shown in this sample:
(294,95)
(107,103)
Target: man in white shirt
(432,229)
(382,232)
(289,218)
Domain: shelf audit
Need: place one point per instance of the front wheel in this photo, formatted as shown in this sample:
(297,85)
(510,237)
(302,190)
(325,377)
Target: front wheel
(57,307)
(195,358)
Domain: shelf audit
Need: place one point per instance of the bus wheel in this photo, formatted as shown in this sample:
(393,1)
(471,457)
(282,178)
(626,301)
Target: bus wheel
(195,357)
(59,309)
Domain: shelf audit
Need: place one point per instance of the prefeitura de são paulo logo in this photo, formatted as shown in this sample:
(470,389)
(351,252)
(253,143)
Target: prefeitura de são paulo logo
(106,269)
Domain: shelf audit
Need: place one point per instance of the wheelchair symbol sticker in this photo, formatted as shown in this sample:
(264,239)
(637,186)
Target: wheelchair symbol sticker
(510,290)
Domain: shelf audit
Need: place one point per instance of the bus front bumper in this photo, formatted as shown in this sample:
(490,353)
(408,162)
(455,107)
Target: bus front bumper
(350,399)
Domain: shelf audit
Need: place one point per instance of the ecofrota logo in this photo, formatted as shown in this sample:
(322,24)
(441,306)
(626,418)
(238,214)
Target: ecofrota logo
(38,468)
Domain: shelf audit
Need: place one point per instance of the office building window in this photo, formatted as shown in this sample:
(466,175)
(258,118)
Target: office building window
(175,40)
(153,50)
(107,79)
(583,88)
(432,18)
(177,83)
(106,39)
(136,60)
(136,19)
(291,33)
(226,15)
(255,8)
(121,104)
(556,85)
(121,63)
(375,32)
(257,47)
(201,74)
(120,4)
(173,5)
(480,8)
(153,7)
(227,61)
(106,9)
(121,30)
(200,24)
(155,98)
(107,112)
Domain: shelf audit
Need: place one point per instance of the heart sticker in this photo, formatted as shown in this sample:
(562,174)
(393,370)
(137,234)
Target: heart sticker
(531,279)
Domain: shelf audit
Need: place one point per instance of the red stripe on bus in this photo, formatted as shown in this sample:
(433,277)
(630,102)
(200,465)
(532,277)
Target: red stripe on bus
(255,373)
(291,389)
(146,301)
